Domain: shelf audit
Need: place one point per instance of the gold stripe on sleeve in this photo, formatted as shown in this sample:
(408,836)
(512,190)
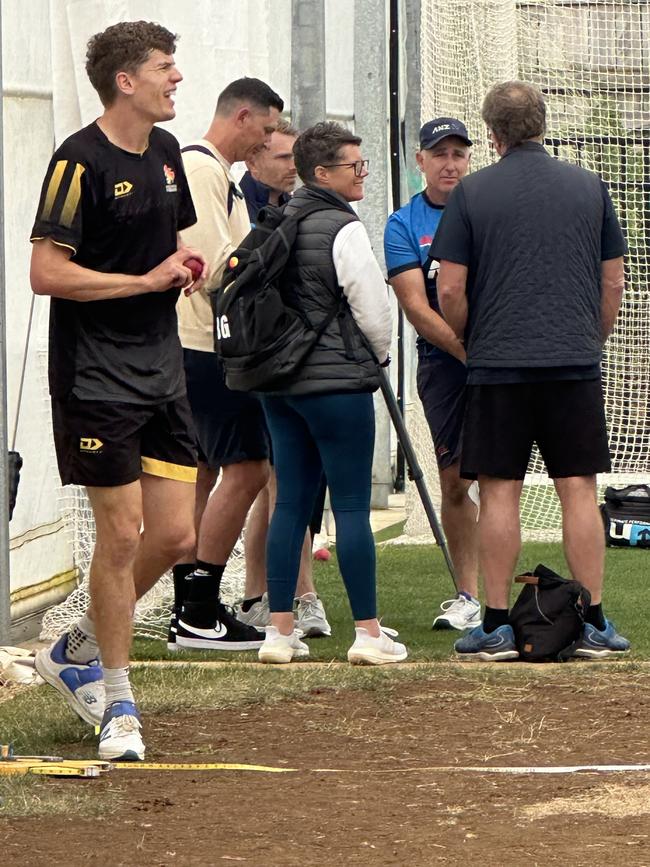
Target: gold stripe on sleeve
(167,470)
(53,188)
(72,199)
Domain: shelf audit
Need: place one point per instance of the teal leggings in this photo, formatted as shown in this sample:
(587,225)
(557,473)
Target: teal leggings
(334,433)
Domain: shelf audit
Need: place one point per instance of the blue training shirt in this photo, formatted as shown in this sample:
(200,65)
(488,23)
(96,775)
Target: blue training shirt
(407,239)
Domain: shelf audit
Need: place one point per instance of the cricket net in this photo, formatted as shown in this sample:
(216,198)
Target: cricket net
(591,59)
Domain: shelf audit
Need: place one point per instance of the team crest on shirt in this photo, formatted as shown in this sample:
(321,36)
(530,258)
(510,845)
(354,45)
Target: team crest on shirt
(170,178)
(123,188)
(425,241)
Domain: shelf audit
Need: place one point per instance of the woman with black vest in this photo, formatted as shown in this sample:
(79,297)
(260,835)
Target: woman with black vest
(324,418)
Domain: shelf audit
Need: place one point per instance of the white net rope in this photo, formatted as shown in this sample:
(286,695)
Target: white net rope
(153,610)
(591,58)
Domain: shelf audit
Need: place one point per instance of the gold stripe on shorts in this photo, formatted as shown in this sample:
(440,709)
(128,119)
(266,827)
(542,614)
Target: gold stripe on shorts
(167,470)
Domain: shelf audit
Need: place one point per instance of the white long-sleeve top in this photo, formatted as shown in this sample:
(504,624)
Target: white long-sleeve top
(364,286)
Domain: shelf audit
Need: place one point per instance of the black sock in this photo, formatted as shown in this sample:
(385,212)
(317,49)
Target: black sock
(595,616)
(205,581)
(494,617)
(247,604)
(180,573)
(201,601)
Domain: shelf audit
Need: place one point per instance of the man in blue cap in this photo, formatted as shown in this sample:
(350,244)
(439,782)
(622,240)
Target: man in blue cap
(443,159)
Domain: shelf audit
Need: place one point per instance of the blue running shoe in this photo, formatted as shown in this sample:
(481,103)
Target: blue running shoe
(119,736)
(81,685)
(496,646)
(601,644)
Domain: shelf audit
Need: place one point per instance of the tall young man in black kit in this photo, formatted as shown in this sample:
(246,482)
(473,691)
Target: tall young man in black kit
(106,250)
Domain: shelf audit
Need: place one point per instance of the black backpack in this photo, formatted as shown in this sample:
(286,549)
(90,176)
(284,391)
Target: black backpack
(262,341)
(626,516)
(548,616)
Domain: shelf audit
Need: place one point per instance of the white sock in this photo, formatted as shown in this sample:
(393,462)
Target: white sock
(118,687)
(81,645)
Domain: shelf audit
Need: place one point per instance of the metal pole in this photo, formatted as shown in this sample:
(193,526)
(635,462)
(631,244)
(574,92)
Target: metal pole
(371,124)
(5,585)
(308,97)
(415,471)
(412,104)
(394,75)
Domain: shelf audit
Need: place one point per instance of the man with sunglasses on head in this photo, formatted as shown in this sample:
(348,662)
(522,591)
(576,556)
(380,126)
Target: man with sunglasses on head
(443,159)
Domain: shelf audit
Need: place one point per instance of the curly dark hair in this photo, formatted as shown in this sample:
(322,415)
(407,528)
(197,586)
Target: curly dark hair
(515,112)
(123,47)
(319,145)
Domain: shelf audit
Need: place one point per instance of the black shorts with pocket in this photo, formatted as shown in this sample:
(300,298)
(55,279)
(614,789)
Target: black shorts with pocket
(565,418)
(441,383)
(104,444)
(230,425)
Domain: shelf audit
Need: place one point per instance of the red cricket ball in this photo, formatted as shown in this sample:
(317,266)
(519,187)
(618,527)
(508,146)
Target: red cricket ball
(322,554)
(195,266)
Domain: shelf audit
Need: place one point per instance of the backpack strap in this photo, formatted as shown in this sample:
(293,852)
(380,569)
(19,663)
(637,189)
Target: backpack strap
(233,191)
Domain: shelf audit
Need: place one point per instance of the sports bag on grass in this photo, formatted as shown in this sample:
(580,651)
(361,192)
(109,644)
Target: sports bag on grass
(261,340)
(548,616)
(626,516)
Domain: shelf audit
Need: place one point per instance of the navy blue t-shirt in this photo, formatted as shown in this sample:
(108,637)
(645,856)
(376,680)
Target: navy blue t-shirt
(532,232)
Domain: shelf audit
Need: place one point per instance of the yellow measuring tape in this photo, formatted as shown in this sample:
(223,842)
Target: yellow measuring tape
(199,766)
(80,768)
(63,768)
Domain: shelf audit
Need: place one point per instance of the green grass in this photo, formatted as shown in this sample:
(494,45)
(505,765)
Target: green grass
(412,581)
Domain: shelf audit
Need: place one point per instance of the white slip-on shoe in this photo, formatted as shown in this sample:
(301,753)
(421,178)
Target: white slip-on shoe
(280,648)
(367,650)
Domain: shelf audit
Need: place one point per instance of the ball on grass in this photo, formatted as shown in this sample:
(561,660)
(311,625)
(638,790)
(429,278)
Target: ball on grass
(322,554)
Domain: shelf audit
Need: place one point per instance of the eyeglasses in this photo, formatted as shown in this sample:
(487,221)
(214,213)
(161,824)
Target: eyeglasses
(359,166)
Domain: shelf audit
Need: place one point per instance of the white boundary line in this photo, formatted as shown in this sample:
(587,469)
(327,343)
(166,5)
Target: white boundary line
(487,769)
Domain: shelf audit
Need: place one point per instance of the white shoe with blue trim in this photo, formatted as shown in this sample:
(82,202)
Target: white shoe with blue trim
(81,685)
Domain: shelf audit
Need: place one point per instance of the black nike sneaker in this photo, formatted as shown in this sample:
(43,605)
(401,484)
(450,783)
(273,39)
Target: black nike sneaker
(222,632)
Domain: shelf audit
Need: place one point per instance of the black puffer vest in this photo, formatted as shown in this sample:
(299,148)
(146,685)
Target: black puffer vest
(339,362)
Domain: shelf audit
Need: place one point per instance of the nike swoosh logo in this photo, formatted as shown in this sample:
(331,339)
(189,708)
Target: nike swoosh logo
(218,631)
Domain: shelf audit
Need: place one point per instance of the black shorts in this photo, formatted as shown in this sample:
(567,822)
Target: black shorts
(103,444)
(565,418)
(441,387)
(230,425)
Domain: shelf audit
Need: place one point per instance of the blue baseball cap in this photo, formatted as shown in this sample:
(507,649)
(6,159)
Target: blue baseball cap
(442,127)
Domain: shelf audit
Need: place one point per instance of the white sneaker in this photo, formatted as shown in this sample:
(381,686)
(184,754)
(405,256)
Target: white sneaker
(367,650)
(310,617)
(463,612)
(281,648)
(119,737)
(258,615)
(81,685)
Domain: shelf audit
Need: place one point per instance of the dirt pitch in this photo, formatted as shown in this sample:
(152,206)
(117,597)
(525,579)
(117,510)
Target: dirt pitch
(383,799)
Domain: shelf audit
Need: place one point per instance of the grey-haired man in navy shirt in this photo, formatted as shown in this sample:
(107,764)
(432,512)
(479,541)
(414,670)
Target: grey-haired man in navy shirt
(531,277)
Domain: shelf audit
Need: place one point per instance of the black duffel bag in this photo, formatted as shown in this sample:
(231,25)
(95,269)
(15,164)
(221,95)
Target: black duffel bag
(626,516)
(548,616)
